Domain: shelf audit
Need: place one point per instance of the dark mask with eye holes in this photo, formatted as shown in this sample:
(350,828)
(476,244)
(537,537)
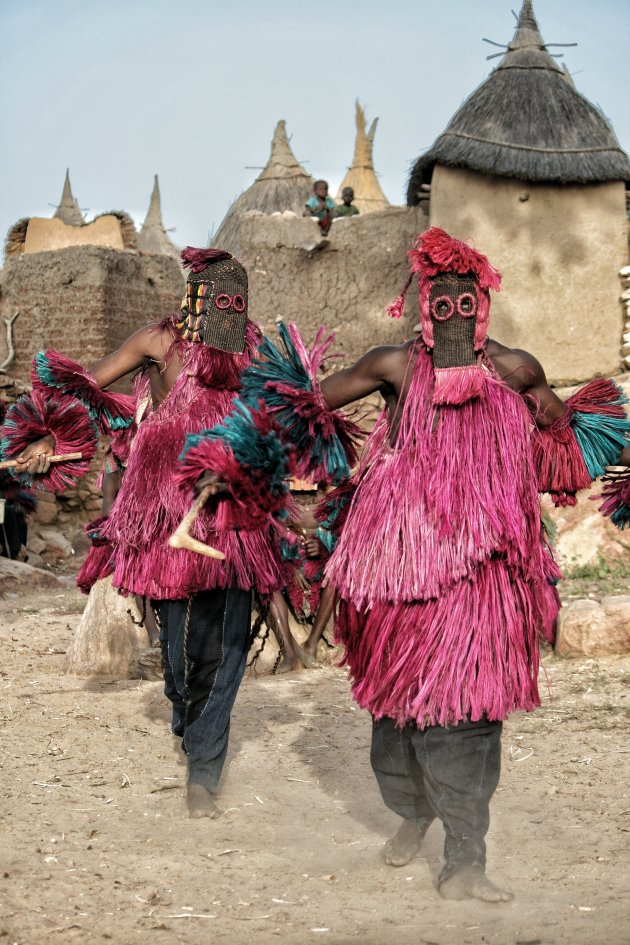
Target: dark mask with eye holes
(453,302)
(214,309)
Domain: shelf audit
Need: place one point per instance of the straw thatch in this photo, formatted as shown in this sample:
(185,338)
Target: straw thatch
(282,185)
(68,210)
(361,175)
(526,121)
(153,238)
(16,237)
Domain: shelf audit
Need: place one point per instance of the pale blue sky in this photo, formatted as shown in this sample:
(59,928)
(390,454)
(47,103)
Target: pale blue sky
(191,90)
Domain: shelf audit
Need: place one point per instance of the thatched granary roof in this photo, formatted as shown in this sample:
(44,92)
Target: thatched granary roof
(526,121)
(361,176)
(16,237)
(153,238)
(282,185)
(68,210)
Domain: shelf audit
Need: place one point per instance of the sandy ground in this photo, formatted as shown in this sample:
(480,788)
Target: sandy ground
(96,846)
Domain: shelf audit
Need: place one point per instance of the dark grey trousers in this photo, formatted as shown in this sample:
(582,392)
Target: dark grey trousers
(204,648)
(450,773)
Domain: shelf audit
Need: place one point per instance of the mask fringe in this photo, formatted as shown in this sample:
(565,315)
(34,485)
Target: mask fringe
(456,385)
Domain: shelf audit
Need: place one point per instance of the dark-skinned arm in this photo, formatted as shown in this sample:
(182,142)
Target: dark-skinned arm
(363,378)
(144,343)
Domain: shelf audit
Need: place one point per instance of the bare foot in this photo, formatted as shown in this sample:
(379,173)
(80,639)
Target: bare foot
(470,882)
(201,802)
(405,844)
(310,649)
(308,658)
(289,664)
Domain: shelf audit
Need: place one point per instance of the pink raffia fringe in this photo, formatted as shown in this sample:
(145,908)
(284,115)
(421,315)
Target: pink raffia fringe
(251,502)
(56,375)
(98,564)
(151,504)
(33,417)
(456,385)
(99,561)
(442,566)
(558,458)
(616,496)
(562,471)
(470,652)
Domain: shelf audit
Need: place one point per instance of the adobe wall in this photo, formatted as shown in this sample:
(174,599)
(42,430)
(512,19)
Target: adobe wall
(83,300)
(560,250)
(43,235)
(345,286)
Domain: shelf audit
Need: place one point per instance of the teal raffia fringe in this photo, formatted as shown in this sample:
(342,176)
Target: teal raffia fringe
(247,452)
(600,424)
(285,379)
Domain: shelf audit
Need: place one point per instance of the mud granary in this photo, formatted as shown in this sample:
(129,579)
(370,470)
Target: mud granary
(532,173)
(84,287)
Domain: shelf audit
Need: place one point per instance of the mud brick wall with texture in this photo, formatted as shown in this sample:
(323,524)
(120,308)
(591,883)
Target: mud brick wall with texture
(83,300)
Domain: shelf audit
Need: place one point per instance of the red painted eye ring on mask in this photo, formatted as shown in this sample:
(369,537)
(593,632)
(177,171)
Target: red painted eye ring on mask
(435,303)
(473,311)
(224,301)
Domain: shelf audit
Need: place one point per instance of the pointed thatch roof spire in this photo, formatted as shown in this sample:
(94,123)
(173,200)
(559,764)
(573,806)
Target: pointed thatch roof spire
(68,210)
(361,176)
(527,49)
(282,163)
(527,122)
(283,184)
(153,238)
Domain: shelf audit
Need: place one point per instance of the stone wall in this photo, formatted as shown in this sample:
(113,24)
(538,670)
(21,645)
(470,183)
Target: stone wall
(345,285)
(83,300)
(560,249)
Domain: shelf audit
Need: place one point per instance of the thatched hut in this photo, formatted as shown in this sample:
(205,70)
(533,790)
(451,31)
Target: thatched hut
(533,173)
(282,186)
(153,238)
(361,176)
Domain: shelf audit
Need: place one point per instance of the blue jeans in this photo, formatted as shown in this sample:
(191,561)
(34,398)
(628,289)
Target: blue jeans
(204,644)
(450,773)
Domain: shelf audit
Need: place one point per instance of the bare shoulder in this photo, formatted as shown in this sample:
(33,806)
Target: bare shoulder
(153,341)
(387,361)
(519,369)
(374,371)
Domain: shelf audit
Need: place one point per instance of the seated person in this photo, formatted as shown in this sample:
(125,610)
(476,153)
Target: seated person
(321,206)
(347,208)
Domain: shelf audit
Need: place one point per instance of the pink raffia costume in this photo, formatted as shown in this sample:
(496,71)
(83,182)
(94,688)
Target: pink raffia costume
(444,576)
(202,604)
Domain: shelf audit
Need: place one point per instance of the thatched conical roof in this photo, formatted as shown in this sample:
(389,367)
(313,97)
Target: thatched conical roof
(283,184)
(361,175)
(153,238)
(68,210)
(526,121)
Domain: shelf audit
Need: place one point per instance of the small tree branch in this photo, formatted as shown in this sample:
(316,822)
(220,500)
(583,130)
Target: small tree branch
(10,349)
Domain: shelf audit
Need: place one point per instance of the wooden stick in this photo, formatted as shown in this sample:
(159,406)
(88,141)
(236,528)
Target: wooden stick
(62,458)
(181,537)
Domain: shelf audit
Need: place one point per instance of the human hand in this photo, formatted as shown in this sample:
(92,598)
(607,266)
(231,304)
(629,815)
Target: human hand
(312,548)
(35,459)
(212,482)
(301,582)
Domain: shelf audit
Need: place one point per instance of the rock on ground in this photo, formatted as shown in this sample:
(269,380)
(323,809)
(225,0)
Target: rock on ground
(594,628)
